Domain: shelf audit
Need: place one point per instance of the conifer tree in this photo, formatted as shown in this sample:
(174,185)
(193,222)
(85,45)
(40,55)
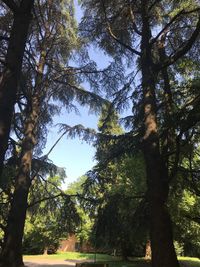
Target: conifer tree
(47,77)
(146,35)
(12,65)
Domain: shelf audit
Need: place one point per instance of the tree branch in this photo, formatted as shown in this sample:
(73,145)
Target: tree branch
(43,199)
(182,12)
(134,51)
(4,38)
(154,3)
(183,49)
(122,43)
(11,4)
(133,22)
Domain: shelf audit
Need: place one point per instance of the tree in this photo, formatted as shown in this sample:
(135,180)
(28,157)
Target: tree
(51,215)
(83,231)
(184,200)
(47,77)
(120,217)
(146,34)
(11,69)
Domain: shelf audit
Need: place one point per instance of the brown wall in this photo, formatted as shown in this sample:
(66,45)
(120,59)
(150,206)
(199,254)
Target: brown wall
(68,244)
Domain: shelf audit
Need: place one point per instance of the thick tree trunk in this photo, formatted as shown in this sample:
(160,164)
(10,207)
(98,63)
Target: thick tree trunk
(163,252)
(11,255)
(9,79)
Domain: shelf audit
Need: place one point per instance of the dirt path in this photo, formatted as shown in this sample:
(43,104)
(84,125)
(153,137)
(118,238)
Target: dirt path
(48,263)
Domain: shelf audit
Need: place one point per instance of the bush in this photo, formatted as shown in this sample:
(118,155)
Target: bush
(35,243)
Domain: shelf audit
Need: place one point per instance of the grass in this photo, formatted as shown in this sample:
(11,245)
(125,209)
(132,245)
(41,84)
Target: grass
(189,262)
(73,256)
(113,261)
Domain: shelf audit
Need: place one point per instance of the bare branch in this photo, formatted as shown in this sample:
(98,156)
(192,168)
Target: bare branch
(58,140)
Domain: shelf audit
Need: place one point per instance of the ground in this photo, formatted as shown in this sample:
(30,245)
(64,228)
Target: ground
(70,260)
(40,262)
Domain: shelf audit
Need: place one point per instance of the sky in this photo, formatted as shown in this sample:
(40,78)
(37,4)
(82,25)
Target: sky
(76,156)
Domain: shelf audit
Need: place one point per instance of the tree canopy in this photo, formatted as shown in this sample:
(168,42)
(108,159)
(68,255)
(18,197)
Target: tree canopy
(145,184)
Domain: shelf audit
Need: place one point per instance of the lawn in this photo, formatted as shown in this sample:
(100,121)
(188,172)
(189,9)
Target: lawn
(113,261)
(74,256)
(189,262)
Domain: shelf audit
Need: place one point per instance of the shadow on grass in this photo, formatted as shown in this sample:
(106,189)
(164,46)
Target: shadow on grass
(189,263)
(131,263)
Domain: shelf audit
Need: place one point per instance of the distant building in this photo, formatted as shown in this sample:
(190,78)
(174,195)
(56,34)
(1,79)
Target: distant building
(72,244)
(69,244)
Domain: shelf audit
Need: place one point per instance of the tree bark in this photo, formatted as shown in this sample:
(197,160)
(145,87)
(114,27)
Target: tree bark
(148,250)
(163,252)
(9,79)
(11,255)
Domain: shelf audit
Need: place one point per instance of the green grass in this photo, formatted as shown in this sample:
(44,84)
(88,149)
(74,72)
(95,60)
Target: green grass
(73,256)
(113,261)
(189,262)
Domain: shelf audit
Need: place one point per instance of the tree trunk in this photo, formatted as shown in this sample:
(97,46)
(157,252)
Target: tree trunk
(148,250)
(163,252)
(9,79)
(45,252)
(11,255)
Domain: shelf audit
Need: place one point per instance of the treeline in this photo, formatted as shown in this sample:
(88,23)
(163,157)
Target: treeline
(144,171)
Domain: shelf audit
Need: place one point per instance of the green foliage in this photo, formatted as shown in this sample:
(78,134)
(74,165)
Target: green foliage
(118,188)
(179,248)
(52,217)
(84,229)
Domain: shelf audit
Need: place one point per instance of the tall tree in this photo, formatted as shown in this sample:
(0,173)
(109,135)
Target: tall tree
(146,34)
(12,65)
(118,190)
(47,77)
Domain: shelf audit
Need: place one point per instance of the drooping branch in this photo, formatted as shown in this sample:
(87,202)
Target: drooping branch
(60,194)
(83,93)
(44,199)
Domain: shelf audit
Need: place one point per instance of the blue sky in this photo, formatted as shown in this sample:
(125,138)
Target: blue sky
(76,156)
